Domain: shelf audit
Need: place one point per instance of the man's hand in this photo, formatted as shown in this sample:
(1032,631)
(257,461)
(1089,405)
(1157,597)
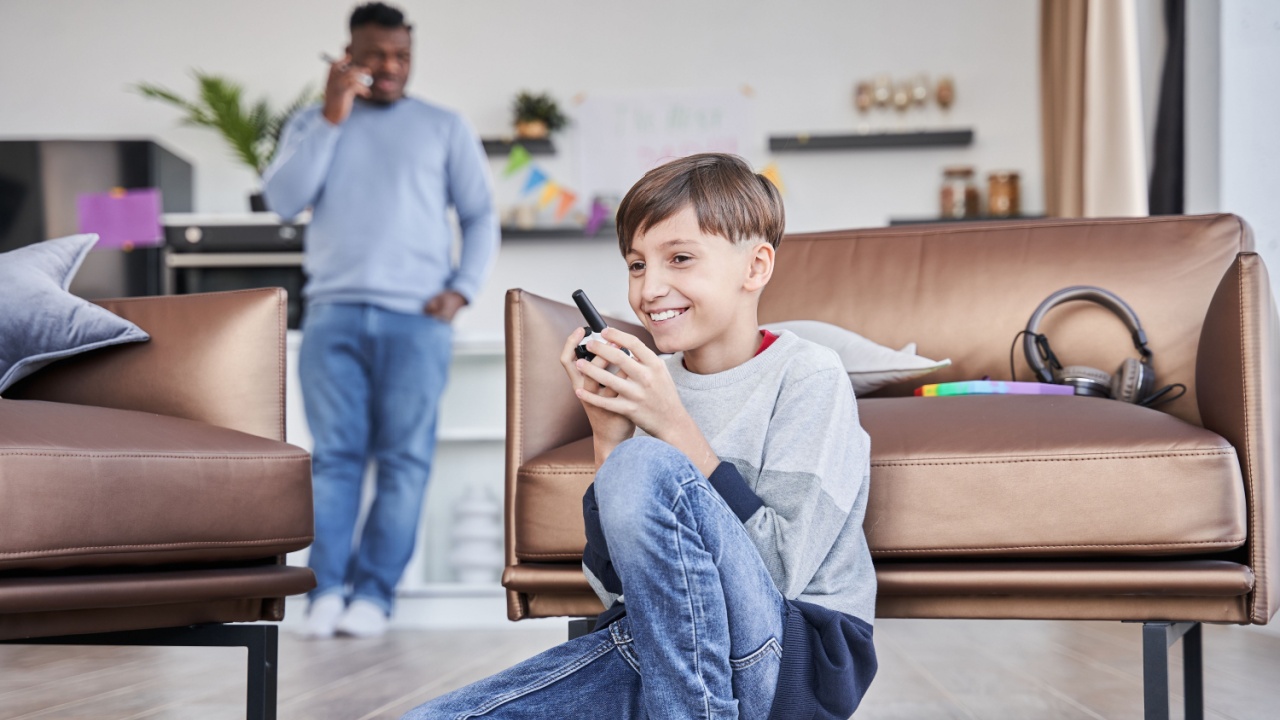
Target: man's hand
(608,429)
(644,393)
(343,85)
(445,305)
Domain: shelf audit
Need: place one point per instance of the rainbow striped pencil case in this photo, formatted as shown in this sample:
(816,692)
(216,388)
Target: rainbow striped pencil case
(992,387)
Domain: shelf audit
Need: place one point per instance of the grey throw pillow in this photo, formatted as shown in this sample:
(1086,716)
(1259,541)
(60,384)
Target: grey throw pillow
(870,365)
(39,320)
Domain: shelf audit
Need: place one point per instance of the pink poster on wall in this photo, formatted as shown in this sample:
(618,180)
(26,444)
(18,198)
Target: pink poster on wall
(123,219)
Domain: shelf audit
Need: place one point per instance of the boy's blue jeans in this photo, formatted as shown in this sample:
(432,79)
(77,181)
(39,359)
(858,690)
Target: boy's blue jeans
(703,630)
(371,383)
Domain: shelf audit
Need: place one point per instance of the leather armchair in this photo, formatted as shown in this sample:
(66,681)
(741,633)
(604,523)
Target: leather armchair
(148,487)
(1029,507)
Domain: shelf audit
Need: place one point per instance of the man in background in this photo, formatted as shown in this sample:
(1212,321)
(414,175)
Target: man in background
(380,171)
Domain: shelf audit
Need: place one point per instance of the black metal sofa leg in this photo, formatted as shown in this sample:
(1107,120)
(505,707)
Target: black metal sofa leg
(262,641)
(581,626)
(1157,638)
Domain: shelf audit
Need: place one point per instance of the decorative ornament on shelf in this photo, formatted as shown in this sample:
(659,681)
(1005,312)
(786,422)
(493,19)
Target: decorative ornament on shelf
(945,93)
(536,115)
(252,131)
(905,96)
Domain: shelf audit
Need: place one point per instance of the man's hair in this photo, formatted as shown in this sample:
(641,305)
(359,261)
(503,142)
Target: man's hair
(729,199)
(380,14)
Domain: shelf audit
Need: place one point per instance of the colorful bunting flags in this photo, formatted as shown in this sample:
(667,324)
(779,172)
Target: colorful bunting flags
(770,172)
(549,192)
(538,181)
(567,199)
(518,158)
(535,181)
(599,211)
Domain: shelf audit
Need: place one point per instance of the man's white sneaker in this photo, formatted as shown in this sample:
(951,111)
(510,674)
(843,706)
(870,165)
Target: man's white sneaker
(363,619)
(323,615)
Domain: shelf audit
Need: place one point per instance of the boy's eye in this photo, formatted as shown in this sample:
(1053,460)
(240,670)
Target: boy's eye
(681,259)
(636,266)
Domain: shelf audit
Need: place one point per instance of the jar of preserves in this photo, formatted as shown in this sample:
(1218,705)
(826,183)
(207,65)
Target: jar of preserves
(959,196)
(1002,194)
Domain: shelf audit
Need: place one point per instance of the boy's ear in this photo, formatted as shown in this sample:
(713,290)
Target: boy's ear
(759,267)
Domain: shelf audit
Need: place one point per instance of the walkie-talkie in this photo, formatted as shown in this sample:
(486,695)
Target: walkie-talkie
(595,325)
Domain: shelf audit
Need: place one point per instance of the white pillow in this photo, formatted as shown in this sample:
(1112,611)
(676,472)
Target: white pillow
(870,365)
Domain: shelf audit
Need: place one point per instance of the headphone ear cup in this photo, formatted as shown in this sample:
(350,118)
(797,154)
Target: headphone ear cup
(1129,380)
(1086,380)
(1134,382)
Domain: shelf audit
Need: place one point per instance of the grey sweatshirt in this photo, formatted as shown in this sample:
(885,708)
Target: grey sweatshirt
(786,420)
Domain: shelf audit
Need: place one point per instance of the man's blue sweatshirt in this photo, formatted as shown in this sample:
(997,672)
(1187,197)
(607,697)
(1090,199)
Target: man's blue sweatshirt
(380,185)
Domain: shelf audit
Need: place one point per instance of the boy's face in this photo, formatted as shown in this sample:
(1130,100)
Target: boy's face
(692,290)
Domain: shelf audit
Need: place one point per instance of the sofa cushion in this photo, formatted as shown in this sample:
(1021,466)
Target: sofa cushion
(90,486)
(1028,476)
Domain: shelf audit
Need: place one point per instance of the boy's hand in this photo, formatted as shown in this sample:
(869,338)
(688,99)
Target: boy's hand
(644,393)
(608,428)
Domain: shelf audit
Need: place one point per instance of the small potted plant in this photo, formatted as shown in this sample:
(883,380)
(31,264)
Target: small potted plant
(536,115)
(252,131)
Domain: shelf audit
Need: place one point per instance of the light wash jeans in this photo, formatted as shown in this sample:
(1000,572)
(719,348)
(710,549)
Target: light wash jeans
(703,630)
(371,383)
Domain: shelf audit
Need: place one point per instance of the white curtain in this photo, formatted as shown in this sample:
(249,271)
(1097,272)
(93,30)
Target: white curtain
(1091,107)
(1115,166)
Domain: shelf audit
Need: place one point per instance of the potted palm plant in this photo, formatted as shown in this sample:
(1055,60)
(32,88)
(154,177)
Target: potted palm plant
(536,115)
(252,131)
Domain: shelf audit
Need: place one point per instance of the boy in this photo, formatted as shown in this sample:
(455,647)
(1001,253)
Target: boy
(724,526)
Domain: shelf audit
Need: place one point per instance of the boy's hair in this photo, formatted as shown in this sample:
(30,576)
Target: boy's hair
(380,14)
(729,199)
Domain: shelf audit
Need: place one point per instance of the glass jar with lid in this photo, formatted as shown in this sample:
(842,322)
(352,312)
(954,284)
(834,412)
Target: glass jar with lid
(959,194)
(1002,194)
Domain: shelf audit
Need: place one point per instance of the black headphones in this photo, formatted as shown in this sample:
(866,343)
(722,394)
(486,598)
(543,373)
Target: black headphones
(1133,382)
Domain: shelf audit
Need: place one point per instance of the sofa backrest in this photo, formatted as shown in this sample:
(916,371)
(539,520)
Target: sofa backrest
(963,290)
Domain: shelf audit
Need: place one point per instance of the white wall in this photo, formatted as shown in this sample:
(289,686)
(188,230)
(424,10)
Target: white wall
(67,64)
(1249,164)
(1233,100)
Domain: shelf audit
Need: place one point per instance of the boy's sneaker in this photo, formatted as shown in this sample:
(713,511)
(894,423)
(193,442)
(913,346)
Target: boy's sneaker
(363,619)
(323,616)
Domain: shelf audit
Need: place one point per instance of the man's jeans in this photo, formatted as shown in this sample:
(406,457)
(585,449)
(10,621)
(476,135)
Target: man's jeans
(371,383)
(702,634)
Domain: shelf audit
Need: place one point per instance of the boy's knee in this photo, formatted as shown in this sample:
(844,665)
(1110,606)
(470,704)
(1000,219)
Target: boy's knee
(637,471)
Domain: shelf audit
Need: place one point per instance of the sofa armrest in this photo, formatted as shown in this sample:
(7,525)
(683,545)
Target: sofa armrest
(1238,391)
(218,358)
(542,412)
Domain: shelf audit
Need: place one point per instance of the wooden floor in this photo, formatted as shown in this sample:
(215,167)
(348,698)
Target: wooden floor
(928,669)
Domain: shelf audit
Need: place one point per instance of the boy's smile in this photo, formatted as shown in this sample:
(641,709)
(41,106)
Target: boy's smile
(696,292)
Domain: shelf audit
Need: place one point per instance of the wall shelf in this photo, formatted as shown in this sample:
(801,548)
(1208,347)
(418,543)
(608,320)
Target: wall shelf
(502,146)
(606,232)
(896,221)
(871,141)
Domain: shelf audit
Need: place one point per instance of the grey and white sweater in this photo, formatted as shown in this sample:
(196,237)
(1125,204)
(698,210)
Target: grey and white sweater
(795,468)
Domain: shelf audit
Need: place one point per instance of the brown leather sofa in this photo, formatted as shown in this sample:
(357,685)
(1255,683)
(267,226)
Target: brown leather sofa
(147,488)
(1035,507)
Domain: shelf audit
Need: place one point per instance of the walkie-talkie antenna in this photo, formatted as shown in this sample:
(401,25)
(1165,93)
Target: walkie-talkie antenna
(589,311)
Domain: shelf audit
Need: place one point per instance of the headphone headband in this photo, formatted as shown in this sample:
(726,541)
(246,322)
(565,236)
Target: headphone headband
(1096,295)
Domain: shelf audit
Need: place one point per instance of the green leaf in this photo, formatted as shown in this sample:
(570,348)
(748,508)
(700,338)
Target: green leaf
(251,131)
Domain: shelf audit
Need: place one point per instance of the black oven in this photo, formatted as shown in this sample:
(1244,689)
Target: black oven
(215,253)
